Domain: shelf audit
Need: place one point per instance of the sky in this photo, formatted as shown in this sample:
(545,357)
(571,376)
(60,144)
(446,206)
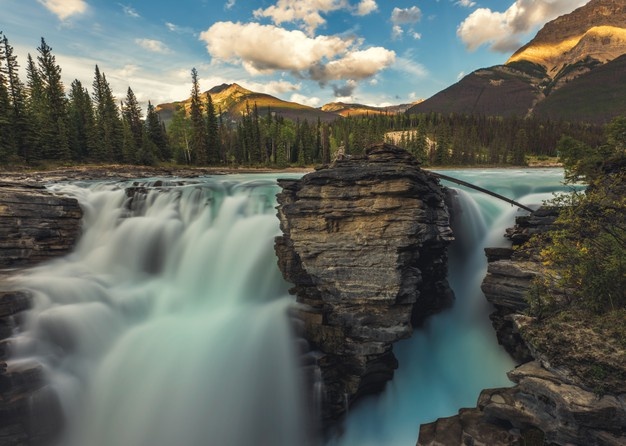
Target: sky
(374,52)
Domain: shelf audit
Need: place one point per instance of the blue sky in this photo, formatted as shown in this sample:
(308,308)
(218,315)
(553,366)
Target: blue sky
(376,52)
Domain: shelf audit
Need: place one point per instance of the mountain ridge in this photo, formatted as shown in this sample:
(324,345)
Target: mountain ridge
(567,48)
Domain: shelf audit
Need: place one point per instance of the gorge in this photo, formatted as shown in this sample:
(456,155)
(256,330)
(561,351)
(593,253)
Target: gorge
(169,322)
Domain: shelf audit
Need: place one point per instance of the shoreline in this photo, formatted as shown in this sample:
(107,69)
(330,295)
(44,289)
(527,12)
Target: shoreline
(122,172)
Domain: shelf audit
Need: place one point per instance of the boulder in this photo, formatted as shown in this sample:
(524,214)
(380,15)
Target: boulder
(364,242)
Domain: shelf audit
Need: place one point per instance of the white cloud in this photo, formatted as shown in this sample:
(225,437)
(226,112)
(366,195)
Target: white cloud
(416,36)
(366,7)
(403,16)
(155,46)
(130,12)
(466,3)
(396,32)
(409,66)
(354,65)
(267,48)
(229,4)
(501,30)
(308,13)
(272,87)
(65,8)
(311,101)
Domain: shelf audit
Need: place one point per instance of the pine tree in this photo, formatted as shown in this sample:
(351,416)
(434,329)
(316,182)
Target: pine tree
(6,146)
(199,136)
(131,115)
(55,141)
(213,142)
(109,127)
(156,133)
(81,122)
(35,109)
(17,119)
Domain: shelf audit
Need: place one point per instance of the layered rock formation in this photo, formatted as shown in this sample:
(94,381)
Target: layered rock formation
(35,225)
(571,388)
(364,242)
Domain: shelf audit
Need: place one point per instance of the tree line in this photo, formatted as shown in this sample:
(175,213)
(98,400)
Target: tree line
(39,122)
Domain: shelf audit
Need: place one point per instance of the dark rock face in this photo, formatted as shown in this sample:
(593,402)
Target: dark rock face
(29,411)
(510,275)
(550,403)
(35,225)
(364,243)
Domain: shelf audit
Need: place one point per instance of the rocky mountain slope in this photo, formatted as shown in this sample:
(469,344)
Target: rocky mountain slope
(344,109)
(232,99)
(546,77)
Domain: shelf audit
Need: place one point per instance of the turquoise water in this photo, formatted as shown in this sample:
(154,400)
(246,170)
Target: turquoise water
(445,365)
(169,322)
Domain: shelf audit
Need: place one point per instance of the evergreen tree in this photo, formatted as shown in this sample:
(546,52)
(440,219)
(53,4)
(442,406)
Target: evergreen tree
(131,115)
(35,109)
(6,146)
(17,118)
(155,132)
(213,141)
(199,138)
(54,131)
(81,123)
(109,127)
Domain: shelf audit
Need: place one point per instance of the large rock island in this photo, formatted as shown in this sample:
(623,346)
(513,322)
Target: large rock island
(364,242)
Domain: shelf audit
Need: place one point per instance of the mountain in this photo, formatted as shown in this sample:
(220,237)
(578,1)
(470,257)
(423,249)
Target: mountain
(570,70)
(344,109)
(232,99)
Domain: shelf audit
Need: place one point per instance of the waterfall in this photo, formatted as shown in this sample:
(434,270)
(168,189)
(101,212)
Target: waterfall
(169,322)
(445,364)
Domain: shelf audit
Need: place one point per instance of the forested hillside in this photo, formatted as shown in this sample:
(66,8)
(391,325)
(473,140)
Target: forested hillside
(42,121)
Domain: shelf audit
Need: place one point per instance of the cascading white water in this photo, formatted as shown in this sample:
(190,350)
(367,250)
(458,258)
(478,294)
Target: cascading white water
(445,364)
(169,323)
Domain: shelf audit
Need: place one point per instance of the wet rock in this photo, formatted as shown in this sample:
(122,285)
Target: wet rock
(35,225)
(364,242)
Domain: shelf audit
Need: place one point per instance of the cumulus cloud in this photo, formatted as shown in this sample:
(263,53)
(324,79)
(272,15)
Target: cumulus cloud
(346,90)
(366,7)
(272,87)
(358,65)
(308,13)
(466,3)
(311,101)
(155,46)
(501,30)
(404,16)
(266,48)
(65,8)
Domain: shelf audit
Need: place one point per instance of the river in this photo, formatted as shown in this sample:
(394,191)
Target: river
(169,323)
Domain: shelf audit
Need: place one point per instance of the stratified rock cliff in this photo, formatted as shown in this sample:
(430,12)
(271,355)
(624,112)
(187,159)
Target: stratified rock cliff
(571,386)
(35,225)
(364,242)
